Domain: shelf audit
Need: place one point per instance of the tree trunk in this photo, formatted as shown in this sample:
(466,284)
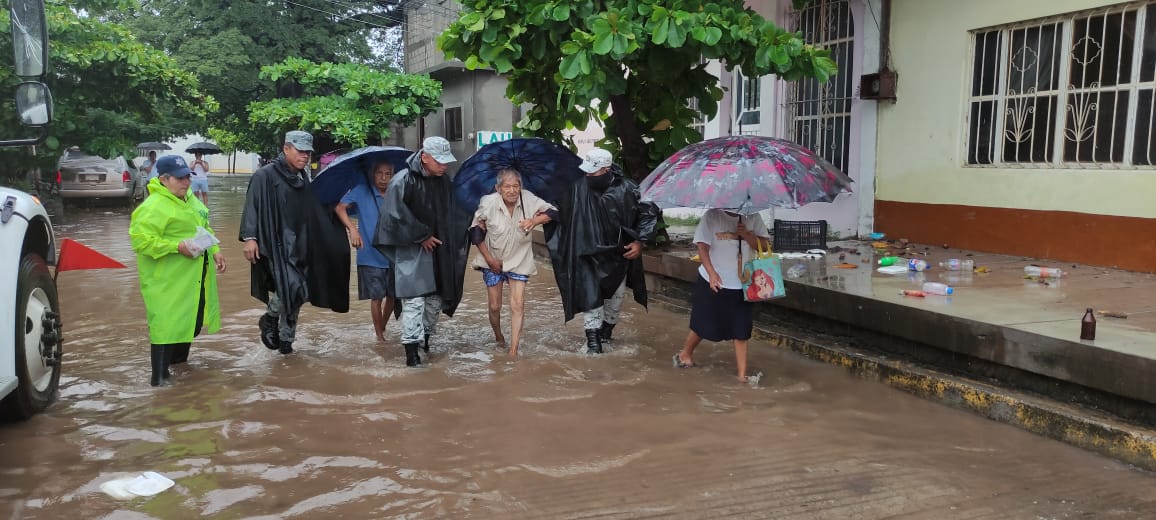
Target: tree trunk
(633,156)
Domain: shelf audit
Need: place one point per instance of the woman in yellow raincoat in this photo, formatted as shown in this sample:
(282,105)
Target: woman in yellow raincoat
(178,286)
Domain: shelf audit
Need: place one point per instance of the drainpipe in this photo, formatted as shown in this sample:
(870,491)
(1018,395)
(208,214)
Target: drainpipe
(885,36)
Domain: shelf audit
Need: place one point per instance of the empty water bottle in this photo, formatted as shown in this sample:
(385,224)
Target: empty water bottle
(937,288)
(888,260)
(956,264)
(1042,272)
(796,270)
(916,264)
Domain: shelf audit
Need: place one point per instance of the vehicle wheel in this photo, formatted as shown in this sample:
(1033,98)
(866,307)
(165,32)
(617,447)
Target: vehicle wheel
(39,342)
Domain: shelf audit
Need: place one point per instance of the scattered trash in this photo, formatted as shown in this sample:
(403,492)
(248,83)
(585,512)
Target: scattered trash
(880,245)
(983,269)
(845,265)
(146,484)
(941,289)
(816,252)
(955,264)
(917,265)
(1042,272)
(876,236)
(908,292)
(889,260)
(892,269)
(1113,314)
(806,256)
(1088,325)
(796,270)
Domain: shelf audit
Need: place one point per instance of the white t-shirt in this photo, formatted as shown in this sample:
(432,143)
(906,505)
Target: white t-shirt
(199,171)
(719,230)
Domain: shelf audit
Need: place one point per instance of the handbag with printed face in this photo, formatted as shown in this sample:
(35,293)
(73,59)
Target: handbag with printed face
(762,276)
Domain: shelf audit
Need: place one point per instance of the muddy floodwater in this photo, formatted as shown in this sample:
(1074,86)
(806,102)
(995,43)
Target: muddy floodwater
(342,429)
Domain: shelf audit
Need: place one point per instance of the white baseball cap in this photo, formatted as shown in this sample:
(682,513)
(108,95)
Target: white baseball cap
(439,149)
(596,159)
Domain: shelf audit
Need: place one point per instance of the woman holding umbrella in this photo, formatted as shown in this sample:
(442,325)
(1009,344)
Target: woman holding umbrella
(501,232)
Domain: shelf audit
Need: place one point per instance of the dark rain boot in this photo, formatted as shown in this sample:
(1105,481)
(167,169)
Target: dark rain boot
(285,347)
(411,356)
(593,341)
(269,335)
(425,347)
(606,332)
(180,353)
(160,364)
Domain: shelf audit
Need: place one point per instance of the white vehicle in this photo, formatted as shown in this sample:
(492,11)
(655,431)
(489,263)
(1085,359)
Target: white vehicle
(30,336)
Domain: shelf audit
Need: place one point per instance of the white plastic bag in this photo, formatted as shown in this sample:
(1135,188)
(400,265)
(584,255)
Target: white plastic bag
(146,484)
(200,242)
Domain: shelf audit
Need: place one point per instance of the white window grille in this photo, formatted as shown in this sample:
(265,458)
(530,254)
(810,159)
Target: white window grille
(748,103)
(699,122)
(1072,91)
(819,114)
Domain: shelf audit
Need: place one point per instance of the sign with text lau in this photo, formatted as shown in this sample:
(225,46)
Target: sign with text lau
(489,136)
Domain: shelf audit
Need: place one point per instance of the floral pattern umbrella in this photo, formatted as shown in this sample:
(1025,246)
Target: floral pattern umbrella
(744,174)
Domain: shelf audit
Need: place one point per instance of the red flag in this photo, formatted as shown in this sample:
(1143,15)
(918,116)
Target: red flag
(74,256)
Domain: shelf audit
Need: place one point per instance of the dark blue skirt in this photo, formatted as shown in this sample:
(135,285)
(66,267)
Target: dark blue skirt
(720,316)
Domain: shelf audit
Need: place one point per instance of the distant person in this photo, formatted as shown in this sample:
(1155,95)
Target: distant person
(374,275)
(718,309)
(423,233)
(596,246)
(177,281)
(501,232)
(200,169)
(147,166)
(297,247)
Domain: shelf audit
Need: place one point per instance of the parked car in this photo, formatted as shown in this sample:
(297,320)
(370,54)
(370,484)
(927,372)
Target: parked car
(84,176)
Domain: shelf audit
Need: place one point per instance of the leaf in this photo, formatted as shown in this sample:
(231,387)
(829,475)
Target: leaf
(661,32)
(561,12)
(570,68)
(603,42)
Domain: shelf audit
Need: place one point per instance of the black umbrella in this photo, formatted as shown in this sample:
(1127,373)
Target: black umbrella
(204,148)
(153,145)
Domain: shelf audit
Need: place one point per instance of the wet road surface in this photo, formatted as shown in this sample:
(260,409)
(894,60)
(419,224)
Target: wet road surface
(342,428)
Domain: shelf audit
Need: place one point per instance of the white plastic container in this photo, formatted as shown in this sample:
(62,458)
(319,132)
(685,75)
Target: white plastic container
(941,289)
(956,264)
(1042,272)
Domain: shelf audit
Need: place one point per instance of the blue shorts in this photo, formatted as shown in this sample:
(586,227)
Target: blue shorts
(491,278)
(200,185)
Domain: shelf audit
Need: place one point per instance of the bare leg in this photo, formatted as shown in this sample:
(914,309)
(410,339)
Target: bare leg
(517,313)
(386,311)
(205,198)
(741,358)
(378,320)
(686,357)
(494,305)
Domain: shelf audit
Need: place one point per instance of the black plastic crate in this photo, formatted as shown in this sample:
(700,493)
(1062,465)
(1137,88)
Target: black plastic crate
(800,235)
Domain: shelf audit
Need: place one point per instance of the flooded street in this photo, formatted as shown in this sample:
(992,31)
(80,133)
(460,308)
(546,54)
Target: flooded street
(342,429)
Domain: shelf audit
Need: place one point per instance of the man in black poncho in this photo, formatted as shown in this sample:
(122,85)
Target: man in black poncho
(298,249)
(596,246)
(423,233)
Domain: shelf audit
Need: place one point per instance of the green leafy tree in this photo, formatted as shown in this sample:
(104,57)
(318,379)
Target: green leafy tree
(633,65)
(110,90)
(227,42)
(352,103)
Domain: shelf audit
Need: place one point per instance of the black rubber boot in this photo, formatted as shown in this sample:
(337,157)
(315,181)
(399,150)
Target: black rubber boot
(285,347)
(160,366)
(593,341)
(412,359)
(425,347)
(180,353)
(269,336)
(606,332)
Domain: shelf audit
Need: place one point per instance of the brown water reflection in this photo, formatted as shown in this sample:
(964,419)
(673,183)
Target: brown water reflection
(342,428)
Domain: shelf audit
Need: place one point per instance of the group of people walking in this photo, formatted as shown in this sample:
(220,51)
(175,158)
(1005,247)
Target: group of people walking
(412,240)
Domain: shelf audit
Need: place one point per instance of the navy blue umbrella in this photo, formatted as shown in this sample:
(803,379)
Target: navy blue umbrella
(347,170)
(547,169)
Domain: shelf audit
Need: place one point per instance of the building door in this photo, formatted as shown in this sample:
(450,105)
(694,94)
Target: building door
(819,114)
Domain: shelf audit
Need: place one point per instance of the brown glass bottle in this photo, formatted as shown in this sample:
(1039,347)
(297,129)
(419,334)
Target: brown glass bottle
(1088,325)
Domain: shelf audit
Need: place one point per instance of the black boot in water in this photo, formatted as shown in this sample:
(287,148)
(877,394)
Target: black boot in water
(606,332)
(411,356)
(160,365)
(426,346)
(593,341)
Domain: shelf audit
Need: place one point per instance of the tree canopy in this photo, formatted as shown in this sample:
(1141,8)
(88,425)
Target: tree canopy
(110,90)
(636,66)
(353,103)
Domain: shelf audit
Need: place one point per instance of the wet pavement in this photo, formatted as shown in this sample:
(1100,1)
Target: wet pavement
(343,428)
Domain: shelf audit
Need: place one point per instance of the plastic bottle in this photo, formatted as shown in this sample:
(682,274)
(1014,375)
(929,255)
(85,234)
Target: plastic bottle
(916,264)
(956,264)
(888,260)
(937,288)
(796,270)
(1042,272)
(1088,325)
(908,292)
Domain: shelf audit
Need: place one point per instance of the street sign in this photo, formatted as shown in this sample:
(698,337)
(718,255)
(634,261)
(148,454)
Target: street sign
(489,136)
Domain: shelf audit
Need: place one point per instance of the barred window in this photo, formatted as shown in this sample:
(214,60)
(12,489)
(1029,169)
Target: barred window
(454,130)
(819,114)
(1072,91)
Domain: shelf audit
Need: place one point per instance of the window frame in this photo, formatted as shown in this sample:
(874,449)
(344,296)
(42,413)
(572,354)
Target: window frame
(453,124)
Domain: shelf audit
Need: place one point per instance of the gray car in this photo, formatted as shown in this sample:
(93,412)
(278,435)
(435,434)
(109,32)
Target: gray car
(84,176)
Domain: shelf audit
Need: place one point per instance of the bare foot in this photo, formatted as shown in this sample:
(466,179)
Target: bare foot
(380,338)
(743,379)
(513,351)
(501,341)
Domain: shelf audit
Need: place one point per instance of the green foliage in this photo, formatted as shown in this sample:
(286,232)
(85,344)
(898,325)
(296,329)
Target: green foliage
(110,90)
(574,60)
(351,102)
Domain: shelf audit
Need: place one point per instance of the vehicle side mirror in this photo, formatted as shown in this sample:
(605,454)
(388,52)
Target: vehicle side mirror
(34,103)
(29,37)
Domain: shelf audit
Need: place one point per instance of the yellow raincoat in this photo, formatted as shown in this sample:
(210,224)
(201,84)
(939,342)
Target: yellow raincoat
(170,282)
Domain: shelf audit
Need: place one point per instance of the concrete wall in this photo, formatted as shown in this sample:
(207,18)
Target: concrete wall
(926,193)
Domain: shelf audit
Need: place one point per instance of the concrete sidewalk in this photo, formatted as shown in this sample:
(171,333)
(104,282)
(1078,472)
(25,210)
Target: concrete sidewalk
(1002,345)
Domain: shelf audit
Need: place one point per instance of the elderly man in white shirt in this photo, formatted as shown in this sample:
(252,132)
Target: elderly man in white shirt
(501,232)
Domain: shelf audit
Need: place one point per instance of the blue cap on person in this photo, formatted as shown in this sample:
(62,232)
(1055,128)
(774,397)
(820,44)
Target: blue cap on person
(300,140)
(596,159)
(173,165)
(439,149)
